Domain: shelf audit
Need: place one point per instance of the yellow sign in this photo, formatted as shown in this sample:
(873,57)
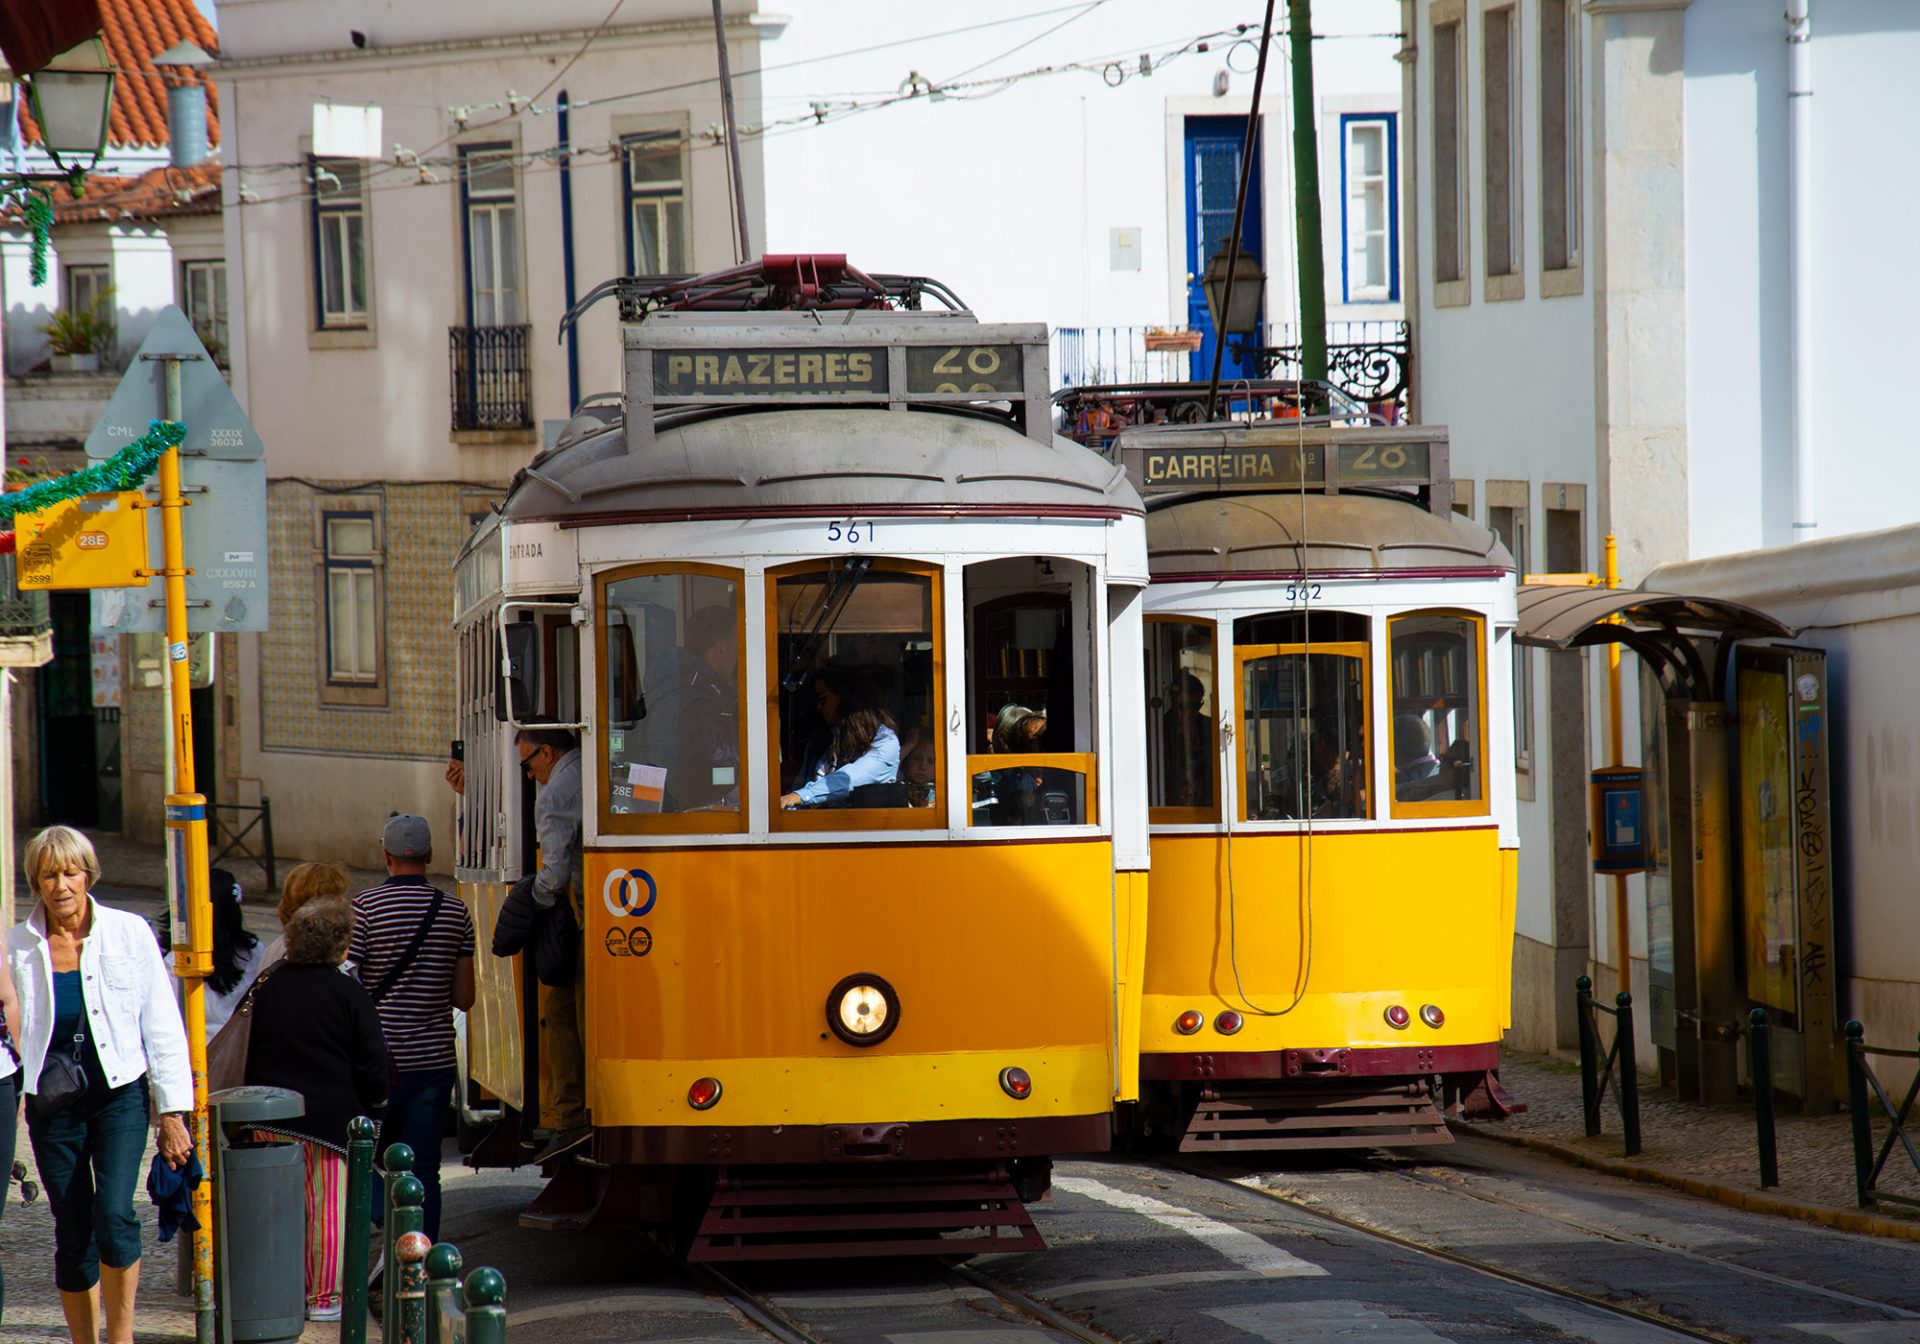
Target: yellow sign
(95,541)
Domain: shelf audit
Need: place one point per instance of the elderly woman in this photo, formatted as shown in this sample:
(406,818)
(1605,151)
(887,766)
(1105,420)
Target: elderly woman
(308,882)
(316,1031)
(101,1043)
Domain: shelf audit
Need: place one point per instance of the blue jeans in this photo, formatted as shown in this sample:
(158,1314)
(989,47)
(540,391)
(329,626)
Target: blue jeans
(9,1109)
(89,1158)
(417,1116)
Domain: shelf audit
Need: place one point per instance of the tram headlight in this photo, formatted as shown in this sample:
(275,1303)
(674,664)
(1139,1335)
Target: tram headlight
(863,1009)
(1398,1018)
(1430,1014)
(1189,1022)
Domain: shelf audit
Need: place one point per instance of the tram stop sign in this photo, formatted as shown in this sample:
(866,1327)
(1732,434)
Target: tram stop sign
(223,475)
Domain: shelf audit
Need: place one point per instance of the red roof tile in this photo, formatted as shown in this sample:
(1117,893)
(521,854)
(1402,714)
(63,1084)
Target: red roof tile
(136,31)
(159,193)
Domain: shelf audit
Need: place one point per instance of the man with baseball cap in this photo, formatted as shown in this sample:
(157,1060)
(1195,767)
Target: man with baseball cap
(412,948)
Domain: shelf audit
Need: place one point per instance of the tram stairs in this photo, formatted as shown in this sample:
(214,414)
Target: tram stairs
(1358,1112)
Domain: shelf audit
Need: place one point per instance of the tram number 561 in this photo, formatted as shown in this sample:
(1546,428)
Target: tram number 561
(852,533)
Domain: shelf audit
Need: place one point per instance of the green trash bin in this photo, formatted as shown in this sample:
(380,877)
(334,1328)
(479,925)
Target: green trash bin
(260,1253)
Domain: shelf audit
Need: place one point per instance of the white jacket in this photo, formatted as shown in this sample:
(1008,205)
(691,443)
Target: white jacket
(131,1016)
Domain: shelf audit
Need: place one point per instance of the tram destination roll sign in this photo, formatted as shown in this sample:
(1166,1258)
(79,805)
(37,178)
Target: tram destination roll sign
(1279,466)
(778,372)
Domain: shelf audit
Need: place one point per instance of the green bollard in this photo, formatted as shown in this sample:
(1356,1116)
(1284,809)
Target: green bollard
(443,1294)
(396,1162)
(405,1213)
(1589,1055)
(1857,1105)
(1760,1067)
(410,1287)
(1628,1084)
(486,1307)
(357,1231)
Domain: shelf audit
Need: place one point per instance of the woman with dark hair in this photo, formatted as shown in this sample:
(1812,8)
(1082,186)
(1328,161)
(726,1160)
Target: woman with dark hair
(237,954)
(860,745)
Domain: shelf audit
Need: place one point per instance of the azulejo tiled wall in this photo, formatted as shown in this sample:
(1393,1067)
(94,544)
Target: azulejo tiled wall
(420,528)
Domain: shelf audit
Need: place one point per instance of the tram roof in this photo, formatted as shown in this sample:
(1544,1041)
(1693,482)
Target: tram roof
(1303,532)
(747,462)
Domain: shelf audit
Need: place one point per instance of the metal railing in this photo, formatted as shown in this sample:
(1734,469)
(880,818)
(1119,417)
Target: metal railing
(22,615)
(490,372)
(1760,1070)
(232,841)
(1860,1078)
(1617,1069)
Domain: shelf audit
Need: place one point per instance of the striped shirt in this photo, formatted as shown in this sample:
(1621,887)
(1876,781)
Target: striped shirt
(416,1015)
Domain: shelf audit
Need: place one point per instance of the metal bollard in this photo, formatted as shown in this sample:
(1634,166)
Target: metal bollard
(357,1232)
(486,1307)
(1629,1081)
(396,1162)
(405,1213)
(1760,1066)
(410,1288)
(1589,1055)
(443,1294)
(1857,1107)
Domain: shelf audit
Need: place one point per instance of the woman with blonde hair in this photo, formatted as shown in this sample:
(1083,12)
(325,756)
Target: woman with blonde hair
(101,1041)
(308,882)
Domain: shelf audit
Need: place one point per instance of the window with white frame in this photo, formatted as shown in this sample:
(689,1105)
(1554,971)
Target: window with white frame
(89,289)
(1370,272)
(1449,150)
(1559,134)
(339,243)
(492,222)
(351,573)
(1500,85)
(1508,522)
(203,298)
(656,203)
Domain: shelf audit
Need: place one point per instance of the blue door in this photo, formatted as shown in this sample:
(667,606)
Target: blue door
(1213,179)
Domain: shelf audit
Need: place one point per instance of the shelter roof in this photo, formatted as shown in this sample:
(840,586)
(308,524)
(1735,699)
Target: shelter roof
(1557,617)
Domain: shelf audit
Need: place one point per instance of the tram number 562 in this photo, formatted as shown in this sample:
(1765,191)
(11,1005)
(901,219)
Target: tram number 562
(1303,592)
(852,533)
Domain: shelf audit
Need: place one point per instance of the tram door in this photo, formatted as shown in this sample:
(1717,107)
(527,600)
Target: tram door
(1213,157)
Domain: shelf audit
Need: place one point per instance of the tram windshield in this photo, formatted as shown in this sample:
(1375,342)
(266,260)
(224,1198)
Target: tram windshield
(671,677)
(856,672)
(1303,716)
(1182,722)
(1438,689)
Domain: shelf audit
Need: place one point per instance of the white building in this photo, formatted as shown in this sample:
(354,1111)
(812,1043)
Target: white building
(1602,200)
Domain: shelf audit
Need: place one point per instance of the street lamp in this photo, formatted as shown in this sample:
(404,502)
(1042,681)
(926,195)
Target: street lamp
(72,99)
(1243,301)
(186,101)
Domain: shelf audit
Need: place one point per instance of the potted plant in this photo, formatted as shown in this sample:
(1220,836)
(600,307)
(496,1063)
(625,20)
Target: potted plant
(1162,338)
(78,338)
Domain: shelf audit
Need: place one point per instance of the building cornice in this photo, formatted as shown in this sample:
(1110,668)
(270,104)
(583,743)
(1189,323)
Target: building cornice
(755,27)
(1631,6)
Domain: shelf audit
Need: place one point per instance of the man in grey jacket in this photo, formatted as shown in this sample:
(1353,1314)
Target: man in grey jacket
(551,756)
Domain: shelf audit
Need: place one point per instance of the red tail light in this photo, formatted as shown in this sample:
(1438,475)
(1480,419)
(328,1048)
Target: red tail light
(1228,1022)
(1399,1018)
(1015,1083)
(703,1093)
(1430,1014)
(1189,1022)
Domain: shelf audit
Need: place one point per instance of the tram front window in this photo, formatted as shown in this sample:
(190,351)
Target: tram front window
(1182,739)
(670,659)
(1438,688)
(856,679)
(1303,717)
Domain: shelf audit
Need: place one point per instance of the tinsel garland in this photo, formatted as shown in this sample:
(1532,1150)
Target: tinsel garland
(125,470)
(38,209)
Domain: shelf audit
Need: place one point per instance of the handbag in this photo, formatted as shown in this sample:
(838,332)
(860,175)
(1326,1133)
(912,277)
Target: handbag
(227,1051)
(63,1081)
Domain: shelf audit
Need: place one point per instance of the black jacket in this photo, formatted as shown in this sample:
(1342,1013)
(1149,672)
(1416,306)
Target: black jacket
(316,1031)
(550,932)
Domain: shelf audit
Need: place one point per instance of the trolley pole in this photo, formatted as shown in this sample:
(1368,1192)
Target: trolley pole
(187,856)
(1622,933)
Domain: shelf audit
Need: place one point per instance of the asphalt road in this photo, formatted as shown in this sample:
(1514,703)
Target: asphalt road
(1477,1242)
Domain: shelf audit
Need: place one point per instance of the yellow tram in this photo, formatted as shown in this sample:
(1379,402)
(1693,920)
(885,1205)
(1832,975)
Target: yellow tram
(1329,653)
(819,1018)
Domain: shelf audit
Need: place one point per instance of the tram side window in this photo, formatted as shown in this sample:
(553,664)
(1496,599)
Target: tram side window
(856,676)
(671,677)
(1030,727)
(1303,716)
(1182,718)
(1437,732)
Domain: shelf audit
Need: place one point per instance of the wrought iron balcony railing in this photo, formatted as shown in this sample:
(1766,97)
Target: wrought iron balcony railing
(490,373)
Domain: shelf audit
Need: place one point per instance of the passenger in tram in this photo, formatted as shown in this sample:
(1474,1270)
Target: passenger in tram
(918,766)
(858,748)
(1336,781)
(1186,745)
(1416,769)
(1021,795)
(693,720)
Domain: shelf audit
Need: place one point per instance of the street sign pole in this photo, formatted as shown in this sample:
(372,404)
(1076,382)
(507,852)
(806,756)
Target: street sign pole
(187,850)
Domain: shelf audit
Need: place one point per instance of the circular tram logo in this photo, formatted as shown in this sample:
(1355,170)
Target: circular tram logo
(623,893)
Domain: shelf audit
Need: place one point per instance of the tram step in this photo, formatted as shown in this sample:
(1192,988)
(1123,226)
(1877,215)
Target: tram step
(1314,1117)
(812,1219)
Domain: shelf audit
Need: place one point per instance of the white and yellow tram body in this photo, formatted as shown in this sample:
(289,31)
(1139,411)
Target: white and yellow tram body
(1329,659)
(841,1030)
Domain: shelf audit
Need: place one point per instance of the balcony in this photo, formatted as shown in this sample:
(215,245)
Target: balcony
(26,623)
(490,378)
